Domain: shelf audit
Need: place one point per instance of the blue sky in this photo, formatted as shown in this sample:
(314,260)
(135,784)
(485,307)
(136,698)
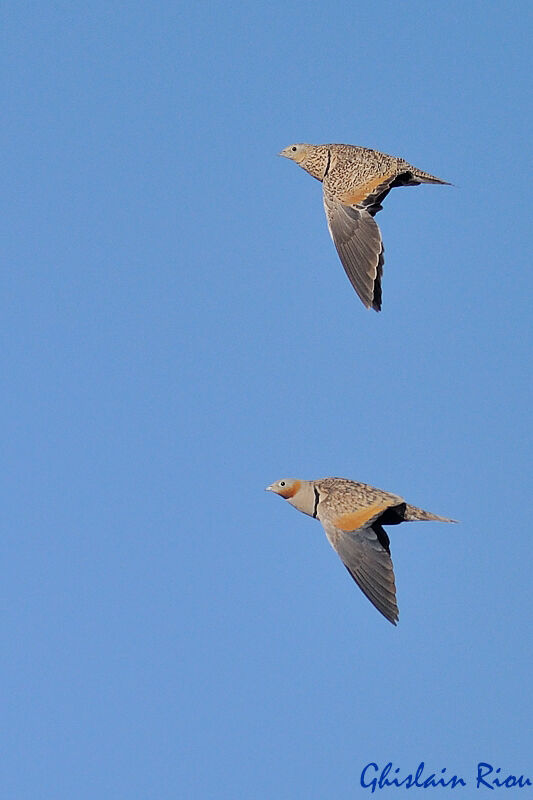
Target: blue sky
(177,333)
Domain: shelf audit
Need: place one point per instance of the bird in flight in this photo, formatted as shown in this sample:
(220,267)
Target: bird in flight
(356,180)
(353,515)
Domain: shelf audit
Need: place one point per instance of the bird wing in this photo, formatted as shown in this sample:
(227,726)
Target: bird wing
(371,195)
(366,555)
(358,241)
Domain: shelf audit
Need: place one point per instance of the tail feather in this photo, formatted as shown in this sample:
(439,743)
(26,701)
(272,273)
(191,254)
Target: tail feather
(425,177)
(412,513)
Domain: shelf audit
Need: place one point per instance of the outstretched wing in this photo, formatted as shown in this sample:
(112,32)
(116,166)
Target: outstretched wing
(358,241)
(356,234)
(366,555)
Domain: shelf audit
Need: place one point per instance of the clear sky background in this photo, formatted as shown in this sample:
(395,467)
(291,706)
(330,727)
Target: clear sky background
(177,333)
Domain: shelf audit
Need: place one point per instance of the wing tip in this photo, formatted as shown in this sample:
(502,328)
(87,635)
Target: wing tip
(393,618)
(390,618)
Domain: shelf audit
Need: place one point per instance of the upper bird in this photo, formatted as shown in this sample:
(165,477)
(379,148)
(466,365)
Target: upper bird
(356,180)
(353,515)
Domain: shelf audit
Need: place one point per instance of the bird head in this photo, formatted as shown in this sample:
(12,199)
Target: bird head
(286,488)
(296,152)
(300,494)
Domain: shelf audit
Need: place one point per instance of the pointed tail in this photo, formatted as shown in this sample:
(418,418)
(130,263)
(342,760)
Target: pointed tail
(425,177)
(412,514)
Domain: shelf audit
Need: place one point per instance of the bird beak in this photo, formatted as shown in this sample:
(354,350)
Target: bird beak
(269,488)
(282,153)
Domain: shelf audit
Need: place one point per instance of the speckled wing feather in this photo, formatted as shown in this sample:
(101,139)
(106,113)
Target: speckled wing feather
(358,241)
(365,554)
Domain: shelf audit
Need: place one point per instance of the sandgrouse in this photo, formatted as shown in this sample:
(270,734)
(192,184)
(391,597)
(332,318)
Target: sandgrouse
(353,515)
(356,180)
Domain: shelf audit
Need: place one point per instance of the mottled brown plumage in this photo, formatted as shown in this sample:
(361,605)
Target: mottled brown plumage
(353,515)
(356,180)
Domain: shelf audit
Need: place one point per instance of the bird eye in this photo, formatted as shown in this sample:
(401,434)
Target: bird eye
(294,149)
(282,483)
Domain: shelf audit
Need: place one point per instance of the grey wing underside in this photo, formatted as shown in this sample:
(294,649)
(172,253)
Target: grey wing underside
(358,241)
(365,554)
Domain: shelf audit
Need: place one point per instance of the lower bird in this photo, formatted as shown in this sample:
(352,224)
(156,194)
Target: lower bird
(353,515)
(356,180)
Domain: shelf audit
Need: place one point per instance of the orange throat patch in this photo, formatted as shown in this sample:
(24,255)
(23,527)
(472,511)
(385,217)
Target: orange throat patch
(290,491)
